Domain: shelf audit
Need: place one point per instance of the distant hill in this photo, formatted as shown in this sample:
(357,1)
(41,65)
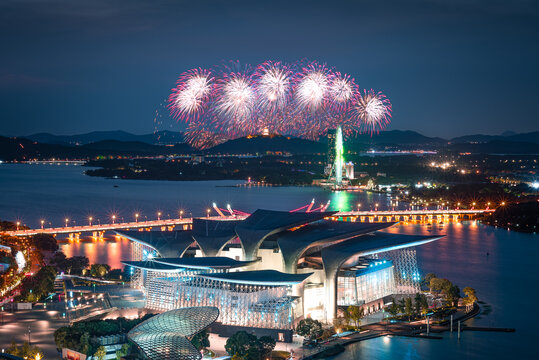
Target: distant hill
(506,136)
(157,138)
(262,144)
(496,147)
(24,149)
(396,137)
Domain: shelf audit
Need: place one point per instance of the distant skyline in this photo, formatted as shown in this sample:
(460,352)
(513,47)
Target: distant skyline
(450,68)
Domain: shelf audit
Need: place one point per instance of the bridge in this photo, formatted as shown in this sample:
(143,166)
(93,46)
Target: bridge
(412,215)
(98,230)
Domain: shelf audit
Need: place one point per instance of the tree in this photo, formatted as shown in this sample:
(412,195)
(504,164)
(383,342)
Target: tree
(101,353)
(25,351)
(99,270)
(201,340)
(355,313)
(267,344)
(428,278)
(309,328)
(240,343)
(408,308)
(76,264)
(45,242)
(122,352)
(470,298)
(59,261)
(393,309)
(452,294)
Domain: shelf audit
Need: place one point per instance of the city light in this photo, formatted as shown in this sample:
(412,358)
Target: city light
(18,224)
(42,223)
(159,215)
(113,218)
(67,220)
(90,220)
(136,217)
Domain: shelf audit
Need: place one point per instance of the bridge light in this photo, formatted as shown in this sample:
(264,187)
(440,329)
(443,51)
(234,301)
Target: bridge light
(113,218)
(503,203)
(181,214)
(42,223)
(208,212)
(159,215)
(136,217)
(67,220)
(90,220)
(18,224)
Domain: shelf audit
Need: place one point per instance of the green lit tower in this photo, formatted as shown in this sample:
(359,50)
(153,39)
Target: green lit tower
(339,157)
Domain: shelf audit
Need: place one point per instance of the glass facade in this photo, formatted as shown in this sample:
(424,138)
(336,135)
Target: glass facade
(239,304)
(365,285)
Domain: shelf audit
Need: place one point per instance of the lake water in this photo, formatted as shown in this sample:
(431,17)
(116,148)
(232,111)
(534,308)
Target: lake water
(507,279)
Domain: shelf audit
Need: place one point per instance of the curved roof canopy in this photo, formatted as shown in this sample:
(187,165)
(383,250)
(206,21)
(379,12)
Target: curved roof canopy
(262,223)
(334,256)
(167,243)
(214,262)
(320,234)
(258,277)
(164,336)
(273,220)
(151,265)
(212,235)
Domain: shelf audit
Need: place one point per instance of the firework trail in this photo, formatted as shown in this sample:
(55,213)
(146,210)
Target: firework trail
(301,99)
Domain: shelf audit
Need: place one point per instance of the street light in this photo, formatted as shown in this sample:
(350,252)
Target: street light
(42,223)
(18,224)
(113,218)
(67,220)
(358,206)
(159,215)
(136,217)
(208,213)
(90,220)
(181,214)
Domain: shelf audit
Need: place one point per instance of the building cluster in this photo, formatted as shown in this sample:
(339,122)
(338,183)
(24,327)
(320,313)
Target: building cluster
(270,270)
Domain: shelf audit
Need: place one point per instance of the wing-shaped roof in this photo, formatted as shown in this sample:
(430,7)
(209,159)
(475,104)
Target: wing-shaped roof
(151,265)
(333,256)
(320,234)
(262,223)
(273,220)
(212,235)
(214,228)
(167,243)
(258,277)
(163,336)
(215,262)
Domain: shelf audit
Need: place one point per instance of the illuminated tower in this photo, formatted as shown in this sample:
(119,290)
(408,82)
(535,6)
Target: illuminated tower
(339,157)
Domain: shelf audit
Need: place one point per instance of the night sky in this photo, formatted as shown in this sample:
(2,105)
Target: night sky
(449,67)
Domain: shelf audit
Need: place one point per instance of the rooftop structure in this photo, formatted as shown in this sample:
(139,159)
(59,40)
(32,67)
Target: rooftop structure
(164,336)
(274,266)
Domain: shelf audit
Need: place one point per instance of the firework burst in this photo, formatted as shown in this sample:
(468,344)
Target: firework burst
(372,111)
(301,99)
(191,94)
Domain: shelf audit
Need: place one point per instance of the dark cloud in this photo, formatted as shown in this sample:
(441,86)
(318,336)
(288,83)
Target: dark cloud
(449,67)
